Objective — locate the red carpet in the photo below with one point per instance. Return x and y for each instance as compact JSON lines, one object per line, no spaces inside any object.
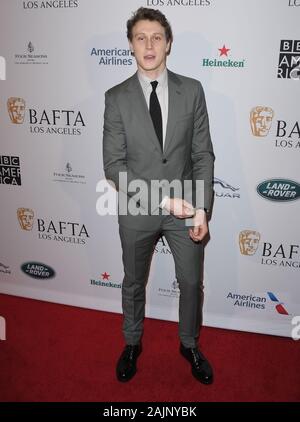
{"x":62,"y":353}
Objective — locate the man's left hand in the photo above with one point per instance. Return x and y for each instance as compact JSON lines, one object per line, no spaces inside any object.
{"x":200,"y":226}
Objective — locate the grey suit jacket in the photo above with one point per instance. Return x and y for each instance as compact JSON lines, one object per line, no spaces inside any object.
{"x":130,"y":145}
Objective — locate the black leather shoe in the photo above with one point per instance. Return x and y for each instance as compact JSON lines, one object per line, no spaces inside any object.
{"x":201,"y":368}
{"x":126,"y":366}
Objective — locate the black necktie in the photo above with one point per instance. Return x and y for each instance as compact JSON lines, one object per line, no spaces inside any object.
{"x":155,"y":112}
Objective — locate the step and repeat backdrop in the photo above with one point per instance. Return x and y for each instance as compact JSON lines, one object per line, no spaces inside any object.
{"x":58,"y":58}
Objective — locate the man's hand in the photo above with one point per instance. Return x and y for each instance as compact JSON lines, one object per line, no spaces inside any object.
{"x":179,"y":207}
{"x":200,"y":229}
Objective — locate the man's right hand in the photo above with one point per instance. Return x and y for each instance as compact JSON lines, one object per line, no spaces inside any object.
{"x":179,"y":207}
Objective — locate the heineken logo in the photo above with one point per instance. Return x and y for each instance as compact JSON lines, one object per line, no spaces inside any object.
{"x":279,"y":190}
{"x":37,"y":270}
{"x":223,"y":60}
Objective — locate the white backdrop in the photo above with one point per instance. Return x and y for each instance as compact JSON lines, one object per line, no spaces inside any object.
{"x":61,"y":56}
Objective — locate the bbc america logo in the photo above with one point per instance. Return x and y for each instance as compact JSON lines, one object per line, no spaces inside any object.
{"x":289,"y":60}
{"x":10,"y":173}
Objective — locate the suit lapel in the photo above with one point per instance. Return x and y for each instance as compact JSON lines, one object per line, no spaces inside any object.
{"x":173,"y":109}
{"x":140,"y":106}
{"x":141,"y":109}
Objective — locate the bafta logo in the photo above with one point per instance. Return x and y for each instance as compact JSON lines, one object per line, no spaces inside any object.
{"x":16,"y":109}
{"x":248,"y":242}
{"x":25,"y":217}
{"x":261,"y":120}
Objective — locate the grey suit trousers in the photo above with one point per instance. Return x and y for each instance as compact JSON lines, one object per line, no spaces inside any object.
{"x":138,"y":247}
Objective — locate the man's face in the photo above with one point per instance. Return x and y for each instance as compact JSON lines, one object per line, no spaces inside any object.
{"x":150,"y":46}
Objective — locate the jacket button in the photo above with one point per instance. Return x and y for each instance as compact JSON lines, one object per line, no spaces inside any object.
{"x":164,"y":160}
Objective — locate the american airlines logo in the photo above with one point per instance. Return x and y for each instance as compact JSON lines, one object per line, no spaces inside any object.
{"x":278,"y":305}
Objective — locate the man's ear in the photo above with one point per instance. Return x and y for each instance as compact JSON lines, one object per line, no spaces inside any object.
{"x":168,"y":47}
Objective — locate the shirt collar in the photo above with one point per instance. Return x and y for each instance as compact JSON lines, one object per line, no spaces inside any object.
{"x":145,"y":81}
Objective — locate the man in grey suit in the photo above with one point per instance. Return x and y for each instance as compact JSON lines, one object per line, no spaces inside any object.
{"x":156,"y":134}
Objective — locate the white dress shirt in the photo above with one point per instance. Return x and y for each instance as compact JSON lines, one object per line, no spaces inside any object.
{"x":162,"y":93}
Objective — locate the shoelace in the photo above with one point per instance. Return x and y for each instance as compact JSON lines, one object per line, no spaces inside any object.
{"x":128,"y":353}
{"x":198,"y":358}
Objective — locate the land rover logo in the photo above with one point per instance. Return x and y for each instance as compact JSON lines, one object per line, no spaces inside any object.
{"x":37,"y":270}
{"x":279,"y":190}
